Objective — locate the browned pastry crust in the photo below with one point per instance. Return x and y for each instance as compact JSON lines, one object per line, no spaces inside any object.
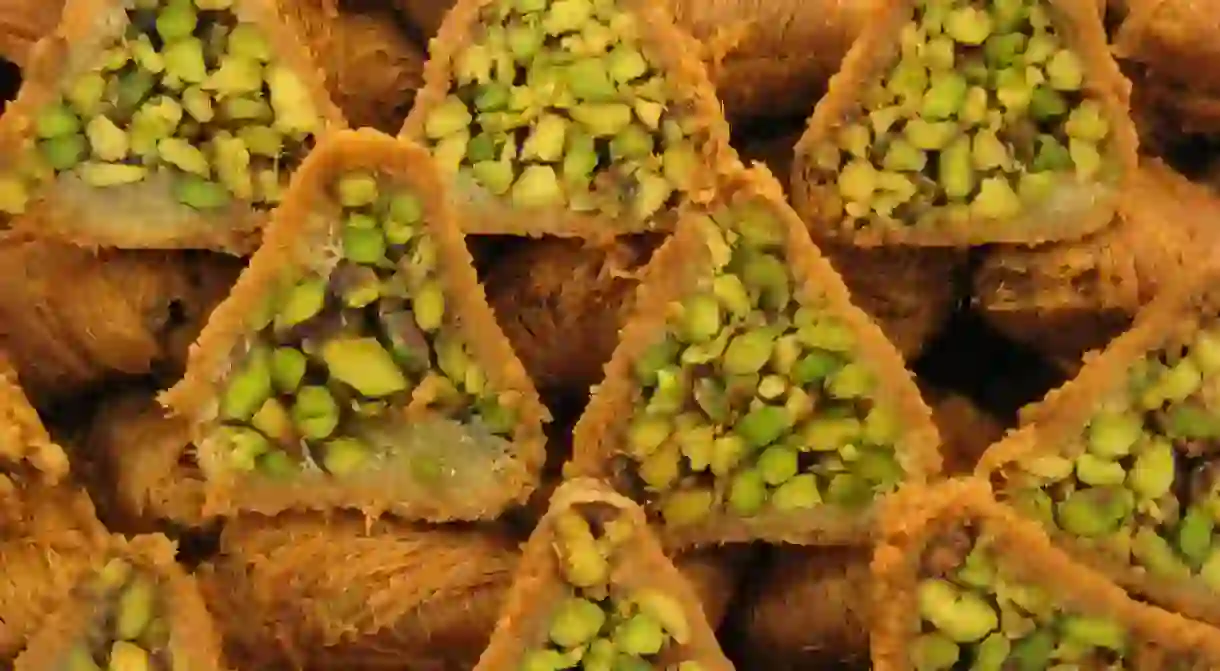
{"x":22,"y":24}
{"x":338,"y":593}
{"x":561,"y":302}
{"x":1069,"y":298}
{"x":372,"y":68}
{"x":1174,"y":39}
{"x":69,"y":316}
{"x":784,"y":628}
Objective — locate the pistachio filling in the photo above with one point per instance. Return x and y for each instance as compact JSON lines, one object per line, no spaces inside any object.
{"x":188,"y":98}
{"x":558,"y":103}
{"x":1141,"y":483}
{"x":599,"y":626}
{"x":131,"y":632}
{"x":984,"y":117}
{"x":755,"y":399}
{"x":975,"y":615}
{"x":354,"y":346}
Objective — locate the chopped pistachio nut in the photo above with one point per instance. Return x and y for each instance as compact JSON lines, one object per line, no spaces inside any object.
{"x":1142,"y":482}
{"x":130,"y":631}
{"x":974,"y":614}
{"x":558,"y":103}
{"x":754,"y":399}
{"x":598,"y":626}
{"x":338,"y":350}
{"x":188,"y":91}
{"x":984,"y":113}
